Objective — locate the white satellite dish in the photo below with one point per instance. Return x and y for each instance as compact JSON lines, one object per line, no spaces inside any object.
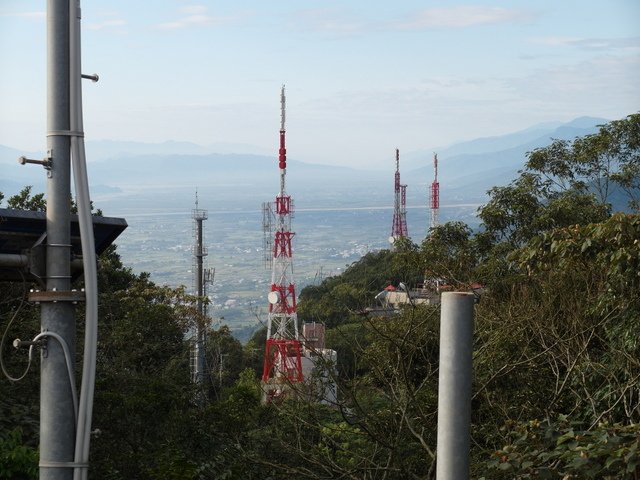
{"x":392,"y":239}
{"x":273,"y":297}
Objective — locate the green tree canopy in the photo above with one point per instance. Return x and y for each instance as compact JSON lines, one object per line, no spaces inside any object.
{"x":567,"y":182}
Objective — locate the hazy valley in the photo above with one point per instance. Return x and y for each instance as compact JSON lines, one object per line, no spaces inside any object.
{"x":341,"y":213}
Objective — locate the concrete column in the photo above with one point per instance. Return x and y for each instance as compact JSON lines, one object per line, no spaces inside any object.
{"x":454,"y":386}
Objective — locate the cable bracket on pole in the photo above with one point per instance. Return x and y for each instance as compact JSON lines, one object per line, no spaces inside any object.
{"x":46,"y":162}
{"x":94,"y":78}
{"x":17,"y":343}
{"x":73,"y":296}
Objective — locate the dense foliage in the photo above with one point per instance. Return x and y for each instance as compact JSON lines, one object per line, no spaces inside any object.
{"x":556,"y":354}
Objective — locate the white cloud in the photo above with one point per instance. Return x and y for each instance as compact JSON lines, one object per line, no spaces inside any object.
{"x":552,"y":41}
{"x":106,"y":24}
{"x":460,"y":17}
{"x":340,"y":22}
{"x":606,"y":86}
{"x":328,"y":20}
{"x":194,"y":15}
{"x":194,"y":10}
{"x":589,"y":43}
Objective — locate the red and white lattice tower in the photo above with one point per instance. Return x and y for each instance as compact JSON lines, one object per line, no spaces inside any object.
{"x":435,"y":194}
{"x":399,"y":225}
{"x":283,"y":349}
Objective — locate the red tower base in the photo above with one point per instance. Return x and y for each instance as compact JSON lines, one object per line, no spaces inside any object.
{"x":282,"y":366}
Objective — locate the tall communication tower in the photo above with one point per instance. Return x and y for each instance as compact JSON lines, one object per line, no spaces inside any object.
{"x":199,"y":252}
{"x":283,"y":349}
{"x":399,"y":225}
{"x":435,"y":194}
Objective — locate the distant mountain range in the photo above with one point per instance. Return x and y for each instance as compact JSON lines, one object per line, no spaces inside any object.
{"x":99,"y":150}
{"x":469,"y":169}
{"x":466,"y":170}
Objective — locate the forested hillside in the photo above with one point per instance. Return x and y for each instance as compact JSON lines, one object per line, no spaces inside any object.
{"x":556,"y":353}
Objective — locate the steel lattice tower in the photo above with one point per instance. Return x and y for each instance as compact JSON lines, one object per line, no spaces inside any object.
{"x":283,"y":349}
{"x":399,"y":225}
{"x":435,"y":194}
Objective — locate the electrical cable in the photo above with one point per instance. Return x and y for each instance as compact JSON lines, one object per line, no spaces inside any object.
{"x":67,"y":359}
{"x":65,"y":350}
{"x":83,"y":432}
{"x":4,"y":336}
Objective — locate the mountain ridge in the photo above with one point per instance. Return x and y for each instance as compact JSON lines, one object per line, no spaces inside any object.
{"x":466,"y":170}
{"x":477,"y":172}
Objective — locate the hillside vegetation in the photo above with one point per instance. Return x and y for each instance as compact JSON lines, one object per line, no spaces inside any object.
{"x":556,"y":353}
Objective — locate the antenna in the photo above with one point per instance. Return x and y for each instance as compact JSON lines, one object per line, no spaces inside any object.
{"x":208,"y":279}
{"x":282,"y":109}
{"x":399,"y":223}
{"x":199,"y":252}
{"x":435,"y":194}
{"x":283,"y":349}
{"x":268,"y":219}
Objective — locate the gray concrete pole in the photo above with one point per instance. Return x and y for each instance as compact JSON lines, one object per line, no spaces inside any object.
{"x":57,"y":418}
{"x":454,"y":386}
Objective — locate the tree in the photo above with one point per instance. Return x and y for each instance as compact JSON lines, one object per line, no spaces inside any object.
{"x":381,"y":427}
{"x":594,"y":163}
{"x":565,"y":183}
{"x":623,"y":138}
{"x":224,"y":360}
{"x":559,"y":449}
{"x":26,"y":201}
{"x":145,"y":405}
{"x":19,"y":408}
{"x":17,"y":461}
{"x":143,"y":386}
{"x":602,"y":262}
{"x":530,"y":205}
{"x":338,"y":299}
{"x":448,"y":253}
{"x":254,"y":350}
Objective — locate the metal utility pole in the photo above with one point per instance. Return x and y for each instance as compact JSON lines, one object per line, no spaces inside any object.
{"x":199,"y":252}
{"x":57,"y":418}
{"x":435,"y":194}
{"x":454,"y":386}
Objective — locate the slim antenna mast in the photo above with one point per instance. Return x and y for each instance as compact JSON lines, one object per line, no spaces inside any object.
{"x":199,"y":252}
{"x":435,"y":194}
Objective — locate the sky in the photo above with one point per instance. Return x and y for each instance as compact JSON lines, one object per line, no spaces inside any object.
{"x":362,"y":77}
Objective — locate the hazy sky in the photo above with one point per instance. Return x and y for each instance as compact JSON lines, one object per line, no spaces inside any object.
{"x":362,"y":77}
